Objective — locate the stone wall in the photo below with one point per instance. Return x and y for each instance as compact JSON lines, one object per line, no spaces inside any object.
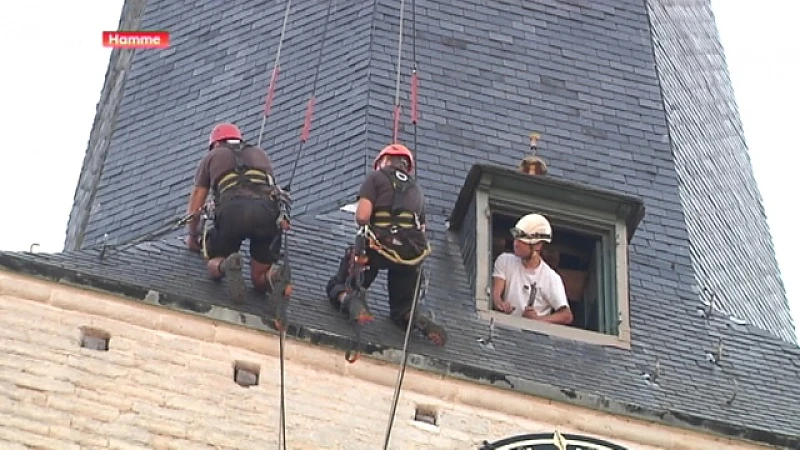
{"x":167,"y":382}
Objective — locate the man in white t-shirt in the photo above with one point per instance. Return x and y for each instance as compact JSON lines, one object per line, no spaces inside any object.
{"x":522,"y":283}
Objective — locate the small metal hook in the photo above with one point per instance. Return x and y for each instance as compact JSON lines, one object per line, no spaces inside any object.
{"x":487,"y":342}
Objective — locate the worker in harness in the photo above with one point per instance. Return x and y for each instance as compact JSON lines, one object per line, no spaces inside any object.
{"x":391,"y":215}
{"x":248,"y":204}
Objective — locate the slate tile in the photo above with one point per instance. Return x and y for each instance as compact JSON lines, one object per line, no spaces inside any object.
{"x":584,"y":75}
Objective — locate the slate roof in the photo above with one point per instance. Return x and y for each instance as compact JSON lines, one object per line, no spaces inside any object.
{"x":582,"y":74}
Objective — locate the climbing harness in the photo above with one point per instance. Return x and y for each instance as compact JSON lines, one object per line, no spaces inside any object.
{"x":396,"y":222}
{"x":242,"y":176}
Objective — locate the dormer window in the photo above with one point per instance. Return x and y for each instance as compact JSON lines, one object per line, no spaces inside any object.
{"x":591,"y":232}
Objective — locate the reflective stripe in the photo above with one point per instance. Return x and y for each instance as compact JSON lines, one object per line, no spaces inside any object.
{"x":251,"y":176}
{"x":385,"y":219}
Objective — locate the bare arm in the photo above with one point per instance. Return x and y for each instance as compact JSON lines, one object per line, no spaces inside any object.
{"x":363,"y":211}
{"x":498,"y":287}
{"x":561,"y":317}
{"x":196,"y":201}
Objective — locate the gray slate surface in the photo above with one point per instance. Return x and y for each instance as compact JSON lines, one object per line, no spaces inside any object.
{"x":582,"y":74}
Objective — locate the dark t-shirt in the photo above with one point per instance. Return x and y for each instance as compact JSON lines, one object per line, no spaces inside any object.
{"x":377,"y":188}
{"x":220,"y":161}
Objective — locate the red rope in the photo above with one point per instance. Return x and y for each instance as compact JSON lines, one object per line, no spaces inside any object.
{"x":271,"y":91}
{"x":307,"y":122}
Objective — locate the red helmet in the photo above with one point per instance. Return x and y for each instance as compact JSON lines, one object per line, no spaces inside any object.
{"x":395,"y":150}
{"x":224,"y":131}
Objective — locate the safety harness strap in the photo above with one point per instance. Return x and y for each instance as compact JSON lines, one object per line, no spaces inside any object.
{"x":412,"y":249}
{"x":242,"y":174}
{"x":397,"y":216}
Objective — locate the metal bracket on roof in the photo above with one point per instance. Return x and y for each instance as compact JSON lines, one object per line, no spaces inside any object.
{"x":708,"y":307}
{"x":30,"y":249}
{"x":487,"y":341}
{"x":651,"y":378}
{"x":734,"y":392}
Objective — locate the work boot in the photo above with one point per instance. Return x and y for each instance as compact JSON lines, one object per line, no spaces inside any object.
{"x":355,"y":304}
{"x":433,"y":331}
{"x":232,"y":268}
{"x":279,"y":292}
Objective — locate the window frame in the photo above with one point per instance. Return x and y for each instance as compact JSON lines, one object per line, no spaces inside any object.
{"x":612,"y":216}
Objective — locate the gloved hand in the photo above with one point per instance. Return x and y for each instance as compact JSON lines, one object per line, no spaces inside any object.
{"x":285,"y":206}
{"x":284,"y":196}
{"x":193,"y":242}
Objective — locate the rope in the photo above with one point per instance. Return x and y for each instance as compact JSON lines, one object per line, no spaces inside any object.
{"x":401,"y":374}
{"x":414,"y":117}
{"x":311,"y":101}
{"x":282,"y":425}
{"x":267,"y":109}
{"x":306,"y":131}
{"x":397,"y":83}
{"x":154,"y":235}
{"x":274,"y":78}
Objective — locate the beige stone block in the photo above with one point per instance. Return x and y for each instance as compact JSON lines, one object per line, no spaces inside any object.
{"x":215,"y":437}
{"x":16,"y":422}
{"x":118,"y":400}
{"x":10,"y":334}
{"x":124,"y":430}
{"x":207,"y":366}
{"x":16,"y":394}
{"x":163,"y":443}
{"x":142,"y":391}
{"x":54,"y":339}
{"x":173,"y":384}
{"x":260,"y":343}
{"x":217,"y":352}
{"x":82,"y":438}
{"x":160,"y":352}
{"x":122,"y":444}
{"x":83,"y":408}
{"x":32,"y":440}
{"x":35,"y":382}
{"x":33,"y":356}
{"x":196,"y":405}
{"x":165,"y":427}
{"x":186,"y":325}
{"x":160,"y":413}
{"x":41,"y":414}
{"x":97,"y":366}
{"x":24,"y":287}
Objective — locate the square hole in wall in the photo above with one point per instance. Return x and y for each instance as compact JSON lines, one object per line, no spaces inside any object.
{"x":246,"y":374}
{"x":95,"y":339}
{"x":426,"y":414}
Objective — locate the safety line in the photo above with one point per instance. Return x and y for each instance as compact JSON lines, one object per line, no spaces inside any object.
{"x":397,"y":108}
{"x":306,"y":131}
{"x":414,"y":119}
{"x":274,"y":78}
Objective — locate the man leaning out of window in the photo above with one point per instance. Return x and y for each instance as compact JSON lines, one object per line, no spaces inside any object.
{"x":523,"y":284}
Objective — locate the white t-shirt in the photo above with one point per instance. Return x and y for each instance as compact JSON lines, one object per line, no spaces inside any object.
{"x":541,"y":286}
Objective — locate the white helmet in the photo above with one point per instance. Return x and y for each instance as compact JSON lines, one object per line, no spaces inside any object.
{"x":532,"y":229}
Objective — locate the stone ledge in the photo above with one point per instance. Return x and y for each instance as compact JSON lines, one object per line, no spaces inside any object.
{"x":71,"y":290}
